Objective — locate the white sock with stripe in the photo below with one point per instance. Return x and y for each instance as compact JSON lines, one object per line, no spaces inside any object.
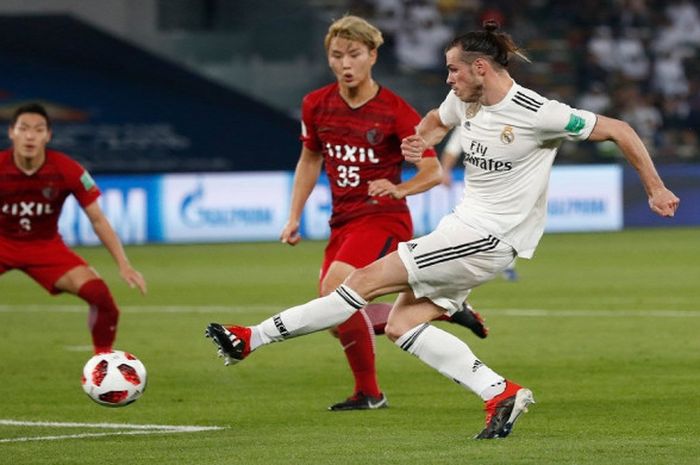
{"x":316,"y":315}
{"x":450,"y":356}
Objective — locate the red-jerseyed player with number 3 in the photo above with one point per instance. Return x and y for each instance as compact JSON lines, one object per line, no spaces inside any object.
{"x":355,"y":126}
{"x":34,"y":183}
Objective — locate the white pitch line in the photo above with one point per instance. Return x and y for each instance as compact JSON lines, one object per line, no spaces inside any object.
{"x":131,"y":429}
{"x":78,"y":348}
{"x":63,"y":424}
{"x":82,"y":436}
{"x":518,"y":312}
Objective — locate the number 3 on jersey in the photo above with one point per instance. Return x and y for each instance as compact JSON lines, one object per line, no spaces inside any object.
{"x":348,"y":176}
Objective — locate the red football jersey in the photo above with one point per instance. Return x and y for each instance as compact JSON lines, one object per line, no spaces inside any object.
{"x":31,"y":204}
{"x":358,"y":145}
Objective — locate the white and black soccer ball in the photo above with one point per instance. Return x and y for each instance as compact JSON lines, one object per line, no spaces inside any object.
{"x":114,"y":379}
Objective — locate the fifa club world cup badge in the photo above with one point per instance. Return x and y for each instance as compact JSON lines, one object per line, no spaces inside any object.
{"x":507,"y":135}
{"x":374,"y":136}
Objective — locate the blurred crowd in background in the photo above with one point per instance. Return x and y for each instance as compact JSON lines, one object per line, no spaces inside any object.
{"x":637,"y":60}
{"x":633,"y":59}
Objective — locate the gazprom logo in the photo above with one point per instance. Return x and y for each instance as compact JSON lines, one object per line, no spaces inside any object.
{"x":195,"y":212}
{"x":579,"y":207}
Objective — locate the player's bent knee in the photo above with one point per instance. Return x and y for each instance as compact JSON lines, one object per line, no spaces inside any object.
{"x":76,"y":278}
{"x":326,"y":288}
{"x":360,"y":281}
{"x":393,"y":331}
{"x":353,"y":280}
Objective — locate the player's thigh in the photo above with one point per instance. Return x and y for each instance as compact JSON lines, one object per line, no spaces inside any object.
{"x":409,"y":312}
{"x":47,"y":262}
{"x":384,"y":276}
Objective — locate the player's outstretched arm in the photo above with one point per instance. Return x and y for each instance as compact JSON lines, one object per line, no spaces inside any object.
{"x":661,"y":200}
{"x":111,"y":241}
{"x":429,"y":132}
{"x":305,"y":177}
{"x":431,"y":128}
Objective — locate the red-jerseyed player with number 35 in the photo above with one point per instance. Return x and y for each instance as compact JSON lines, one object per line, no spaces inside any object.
{"x":34,"y":183}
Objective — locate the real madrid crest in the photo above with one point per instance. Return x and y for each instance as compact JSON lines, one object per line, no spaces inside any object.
{"x":507,"y":135}
{"x":472,"y":110}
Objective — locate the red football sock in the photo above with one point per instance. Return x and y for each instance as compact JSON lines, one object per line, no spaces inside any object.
{"x":357,"y":339}
{"x":103,"y":316}
{"x":378,"y":315}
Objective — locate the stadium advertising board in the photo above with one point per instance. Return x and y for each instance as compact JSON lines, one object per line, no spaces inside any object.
{"x":682,"y":179}
{"x":216,"y":207}
{"x":131,"y":203}
{"x":585,"y":198}
{"x":580,"y":198}
{"x":224,"y":207}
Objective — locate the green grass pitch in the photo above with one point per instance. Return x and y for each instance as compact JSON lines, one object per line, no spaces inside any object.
{"x":604,"y":328}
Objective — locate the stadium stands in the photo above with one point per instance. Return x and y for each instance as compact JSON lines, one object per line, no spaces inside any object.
{"x":118,"y":108}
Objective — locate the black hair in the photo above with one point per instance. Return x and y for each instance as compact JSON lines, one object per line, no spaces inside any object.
{"x":30,"y":108}
{"x":498,"y":46}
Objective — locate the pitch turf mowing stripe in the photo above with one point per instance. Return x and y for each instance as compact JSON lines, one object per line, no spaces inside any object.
{"x":121,"y":429}
{"x":599,"y":313}
{"x":522,"y":312}
{"x":144,"y":308}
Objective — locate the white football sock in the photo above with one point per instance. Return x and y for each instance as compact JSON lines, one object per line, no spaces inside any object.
{"x":450,"y":356}
{"x":493,"y":390}
{"x":318,"y":314}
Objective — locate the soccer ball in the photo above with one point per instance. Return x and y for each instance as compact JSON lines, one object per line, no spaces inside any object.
{"x":114,"y":379}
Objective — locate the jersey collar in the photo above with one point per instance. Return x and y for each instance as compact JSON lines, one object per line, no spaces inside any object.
{"x":506,"y":99}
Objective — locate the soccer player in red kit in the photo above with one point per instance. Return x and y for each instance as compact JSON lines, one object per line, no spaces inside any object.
{"x":34,"y":183}
{"x":355,"y":126}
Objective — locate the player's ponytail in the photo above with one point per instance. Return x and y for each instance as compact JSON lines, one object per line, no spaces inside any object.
{"x":495,"y":45}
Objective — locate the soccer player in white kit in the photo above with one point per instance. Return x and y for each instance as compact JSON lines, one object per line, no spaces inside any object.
{"x":510,"y":135}
{"x":451,"y":153}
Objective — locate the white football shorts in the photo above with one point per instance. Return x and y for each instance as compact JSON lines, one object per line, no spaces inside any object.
{"x":447,"y":263}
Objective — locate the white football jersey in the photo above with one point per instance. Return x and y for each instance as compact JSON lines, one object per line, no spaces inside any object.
{"x":509,"y":150}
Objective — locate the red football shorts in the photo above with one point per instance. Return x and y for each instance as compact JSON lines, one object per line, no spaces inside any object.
{"x":45,"y":261}
{"x":366,"y":239}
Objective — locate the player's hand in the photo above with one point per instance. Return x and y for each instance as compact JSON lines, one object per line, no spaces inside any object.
{"x":383,"y":187}
{"x":412,"y":148}
{"x":290,"y":233}
{"x":663,"y":202}
{"x":133,"y":278}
